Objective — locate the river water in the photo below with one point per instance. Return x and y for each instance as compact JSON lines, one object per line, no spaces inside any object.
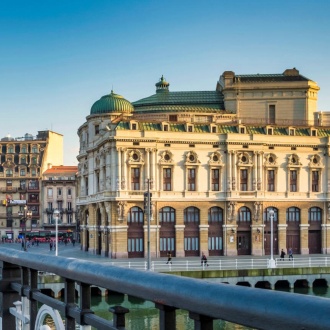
{"x":144,"y":316}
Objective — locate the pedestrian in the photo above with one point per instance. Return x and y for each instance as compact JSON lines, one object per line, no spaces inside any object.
{"x":204,"y":260}
{"x":22,"y":245}
{"x":50,"y":246}
{"x":282,"y":255}
{"x":169,"y":257}
{"x":73,"y":242}
{"x":290,"y":253}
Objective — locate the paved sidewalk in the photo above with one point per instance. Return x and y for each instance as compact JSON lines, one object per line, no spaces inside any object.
{"x":71,"y":251}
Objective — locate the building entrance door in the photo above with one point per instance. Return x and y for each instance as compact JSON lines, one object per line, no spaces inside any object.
{"x":243,"y":243}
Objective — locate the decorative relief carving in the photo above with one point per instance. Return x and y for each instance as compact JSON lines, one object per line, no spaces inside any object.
{"x":135,"y":157}
{"x":216,"y":159}
{"x":315,"y":161}
{"x":192,"y":158}
{"x":270,"y":160}
{"x":166,"y":157}
{"x":294,"y":160}
{"x":244,"y":158}
{"x":121,"y":207}
{"x":257,"y":211}
{"x":231,"y":209}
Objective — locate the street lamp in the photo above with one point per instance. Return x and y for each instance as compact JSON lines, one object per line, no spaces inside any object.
{"x":271,"y":261}
{"x":26,"y":215}
{"x":56,"y":215}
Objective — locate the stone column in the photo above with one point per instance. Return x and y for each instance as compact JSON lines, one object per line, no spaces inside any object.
{"x":229,"y":177}
{"x":92,"y":228}
{"x":281,"y":237}
{"x":257,"y":245}
{"x":230,"y":231}
{"x":203,"y":236}
{"x":108,"y":169}
{"x":234,"y":170}
{"x":118,"y":169}
{"x":303,"y":239}
{"x":179,"y":237}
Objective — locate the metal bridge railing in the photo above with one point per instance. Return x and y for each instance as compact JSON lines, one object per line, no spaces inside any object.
{"x":222,"y":264}
{"x":256,"y":308}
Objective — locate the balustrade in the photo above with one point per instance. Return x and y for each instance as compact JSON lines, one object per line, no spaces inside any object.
{"x":205,"y":301}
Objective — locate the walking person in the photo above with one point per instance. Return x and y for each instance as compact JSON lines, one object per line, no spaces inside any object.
{"x":282,"y":255}
{"x":290,"y":254}
{"x":169,"y":257}
{"x":204,"y":260}
{"x":50,"y":246}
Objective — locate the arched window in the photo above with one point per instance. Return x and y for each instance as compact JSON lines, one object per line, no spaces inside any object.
{"x":215,"y":214}
{"x":135,"y":215}
{"x":314,"y":214}
{"x":244,"y":214}
{"x":191,"y":214}
{"x":167,"y":214}
{"x":267,"y":215}
{"x":293,"y":214}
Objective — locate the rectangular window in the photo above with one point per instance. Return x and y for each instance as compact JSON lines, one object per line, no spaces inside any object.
{"x":271,"y":113}
{"x":293,"y":181}
{"x":69,"y":206}
{"x":167,"y":179}
{"x":215,"y":177}
{"x":59,"y":192}
{"x":22,"y":184}
{"x":86,"y":186}
{"x":22,"y":172}
{"x":135,"y":178}
{"x":50,"y":192}
{"x":173,"y":118}
{"x":191,"y":179}
{"x":69,"y":217}
{"x":244,"y":180}
{"x":97,"y":129}
{"x":315,"y":181}
{"x":271,"y":180}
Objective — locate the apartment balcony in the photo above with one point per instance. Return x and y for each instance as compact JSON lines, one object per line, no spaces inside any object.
{"x":49,"y":211}
{"x":33,"y":188}
{"x":69,"y":211}
{"x":8,"y":189}
{"x":21,"y":189}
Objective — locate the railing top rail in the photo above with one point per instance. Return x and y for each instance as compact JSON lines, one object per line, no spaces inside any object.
{"x":247,"y":306}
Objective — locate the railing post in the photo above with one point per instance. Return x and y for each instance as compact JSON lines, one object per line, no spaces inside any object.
{"x":118,"y":315}
{"x":69,"y":298}
{"x":8,"y":273}
{"x":84,"y":304}
{"x":25,"y":299}
{"x":202,"y":322}
{"x":167,"y":319}
{"x":33,"y":303}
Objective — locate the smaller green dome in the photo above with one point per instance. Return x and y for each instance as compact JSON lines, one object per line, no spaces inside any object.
{"x":112,"y":103}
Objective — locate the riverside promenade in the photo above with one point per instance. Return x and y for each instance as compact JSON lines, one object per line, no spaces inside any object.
{"x":249,"y":261}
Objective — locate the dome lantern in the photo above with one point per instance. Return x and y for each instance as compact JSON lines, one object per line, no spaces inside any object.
{"x":162,"y":85}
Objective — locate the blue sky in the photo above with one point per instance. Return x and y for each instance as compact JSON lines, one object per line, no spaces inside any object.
{"x":57,"y":57}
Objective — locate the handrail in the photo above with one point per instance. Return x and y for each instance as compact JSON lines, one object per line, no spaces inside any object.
{"x":251,"y":307}
{"x":223,"y":264}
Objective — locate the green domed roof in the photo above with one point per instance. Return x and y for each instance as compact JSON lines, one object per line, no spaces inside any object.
{"x":112,"y":103}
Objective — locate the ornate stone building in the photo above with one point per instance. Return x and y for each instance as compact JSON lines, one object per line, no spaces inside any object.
{"x":59,"y":193}
{"x":216,"y":162}
{"x":23,"y":160}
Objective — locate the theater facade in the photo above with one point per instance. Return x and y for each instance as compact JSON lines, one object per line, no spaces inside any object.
{"x":221,"y":166}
